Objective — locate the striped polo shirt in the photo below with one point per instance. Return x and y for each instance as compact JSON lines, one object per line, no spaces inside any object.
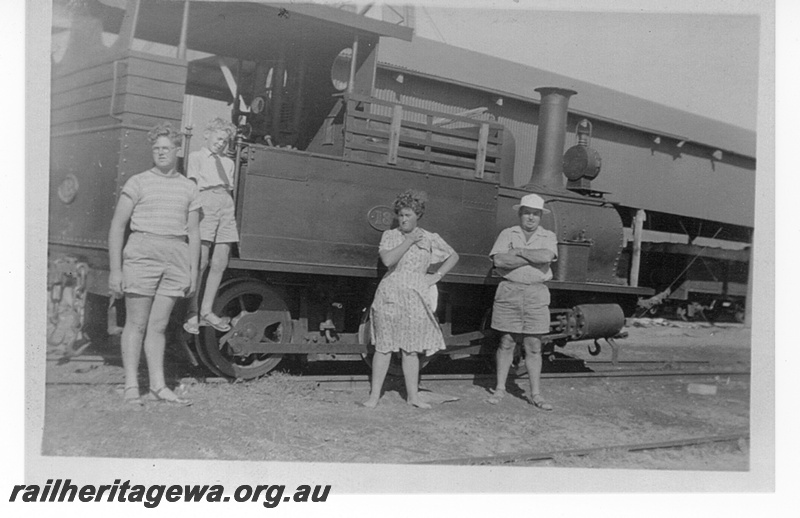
{"x":161,"y":203}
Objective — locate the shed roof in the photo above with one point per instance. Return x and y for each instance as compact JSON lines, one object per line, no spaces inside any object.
{"x":453,"y":64}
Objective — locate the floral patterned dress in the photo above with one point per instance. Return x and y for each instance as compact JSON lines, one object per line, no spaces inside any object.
{"x":403,"y":312}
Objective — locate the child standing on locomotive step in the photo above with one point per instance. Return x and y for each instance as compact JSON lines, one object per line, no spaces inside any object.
{"x":213,"y":173}
{"x":159,"y":262}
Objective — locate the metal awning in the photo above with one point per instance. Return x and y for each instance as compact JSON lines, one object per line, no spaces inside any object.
{"x":251,"y":31}
{"x":214,"y":16}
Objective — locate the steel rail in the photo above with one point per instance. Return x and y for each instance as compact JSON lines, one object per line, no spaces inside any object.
{"x":511,"y":458}
{"x":105,"y":359}
{"x":623,"y":362}
{"x":364,"y":378}
{"x":358,"y":378}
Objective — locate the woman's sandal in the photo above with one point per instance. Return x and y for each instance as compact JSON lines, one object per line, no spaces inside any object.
{"x":220,"y":324}
{"x":496,"y":397}
{"x":158,"y":395}
{"x":136,"y":401}
{"x":538,"y":401}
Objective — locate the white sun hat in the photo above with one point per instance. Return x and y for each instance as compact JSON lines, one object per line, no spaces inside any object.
{"x":533,"y":201}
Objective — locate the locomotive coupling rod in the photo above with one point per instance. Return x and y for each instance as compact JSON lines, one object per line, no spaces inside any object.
{"x":302,"y":348}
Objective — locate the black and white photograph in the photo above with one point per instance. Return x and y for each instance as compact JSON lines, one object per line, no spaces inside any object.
{"x":286,"y":251}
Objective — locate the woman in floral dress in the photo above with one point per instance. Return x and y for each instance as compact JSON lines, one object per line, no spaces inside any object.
{"x":403,"y":313}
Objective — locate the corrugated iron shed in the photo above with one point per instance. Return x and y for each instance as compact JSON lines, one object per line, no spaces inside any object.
{"x":468,"y":68}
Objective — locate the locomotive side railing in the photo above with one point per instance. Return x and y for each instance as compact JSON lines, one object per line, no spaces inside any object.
{"x":383,"y":132}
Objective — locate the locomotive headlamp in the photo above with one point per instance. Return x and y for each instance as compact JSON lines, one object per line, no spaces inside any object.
{"x":581,"y":161}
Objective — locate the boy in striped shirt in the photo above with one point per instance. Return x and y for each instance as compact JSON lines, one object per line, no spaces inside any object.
{"x":158,"y":264}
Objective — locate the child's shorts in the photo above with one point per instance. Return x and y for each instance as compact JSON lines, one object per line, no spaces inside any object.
{"x":218,"y":224}
{"x":153,"y":264}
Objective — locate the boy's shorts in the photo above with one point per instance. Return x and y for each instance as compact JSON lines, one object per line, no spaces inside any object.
{"x":521,"y":308}
{"x":153,"y":264}
{"x":218,"y":224}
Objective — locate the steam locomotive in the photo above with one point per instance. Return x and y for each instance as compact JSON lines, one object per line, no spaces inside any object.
{"x":319,"y":160}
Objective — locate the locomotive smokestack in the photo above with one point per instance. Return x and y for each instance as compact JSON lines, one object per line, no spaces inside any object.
{"x":547,"y":163}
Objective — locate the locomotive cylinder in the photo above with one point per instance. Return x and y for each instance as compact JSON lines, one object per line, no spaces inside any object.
{"x":552,"y":132}
{"x":597,"y":321}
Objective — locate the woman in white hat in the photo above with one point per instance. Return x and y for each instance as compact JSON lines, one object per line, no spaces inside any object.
{"x":403,"y":315}
{"x":522,"y":255}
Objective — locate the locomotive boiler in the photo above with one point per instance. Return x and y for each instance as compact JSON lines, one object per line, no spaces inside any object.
{"x":319,"y":160}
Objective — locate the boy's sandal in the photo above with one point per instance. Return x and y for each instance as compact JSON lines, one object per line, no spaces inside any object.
{"x":170,"y":398}
{"x":538,"y":401}
{"x":220,"y":324}
{"x":128,"y":397}
{"x":193,"y":328}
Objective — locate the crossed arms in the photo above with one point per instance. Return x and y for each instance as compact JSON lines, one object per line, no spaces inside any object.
{"x":517,"y":257}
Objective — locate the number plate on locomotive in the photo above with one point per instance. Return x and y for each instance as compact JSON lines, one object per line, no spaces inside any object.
{"x":380,"y":217}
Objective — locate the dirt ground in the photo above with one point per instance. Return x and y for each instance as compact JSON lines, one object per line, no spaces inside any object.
{"x":284,"y":417}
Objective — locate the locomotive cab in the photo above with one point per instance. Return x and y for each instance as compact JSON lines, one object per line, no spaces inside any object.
{"x":283,"y":79}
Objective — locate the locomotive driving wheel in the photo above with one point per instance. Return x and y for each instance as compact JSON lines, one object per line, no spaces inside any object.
{"x":257,"y":314}
{"x":396,"y":364}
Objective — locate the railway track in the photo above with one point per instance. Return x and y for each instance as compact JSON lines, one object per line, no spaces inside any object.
{"x":363,"y":378}
{"x":528,"y":457}
{"x":594,"y":369}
